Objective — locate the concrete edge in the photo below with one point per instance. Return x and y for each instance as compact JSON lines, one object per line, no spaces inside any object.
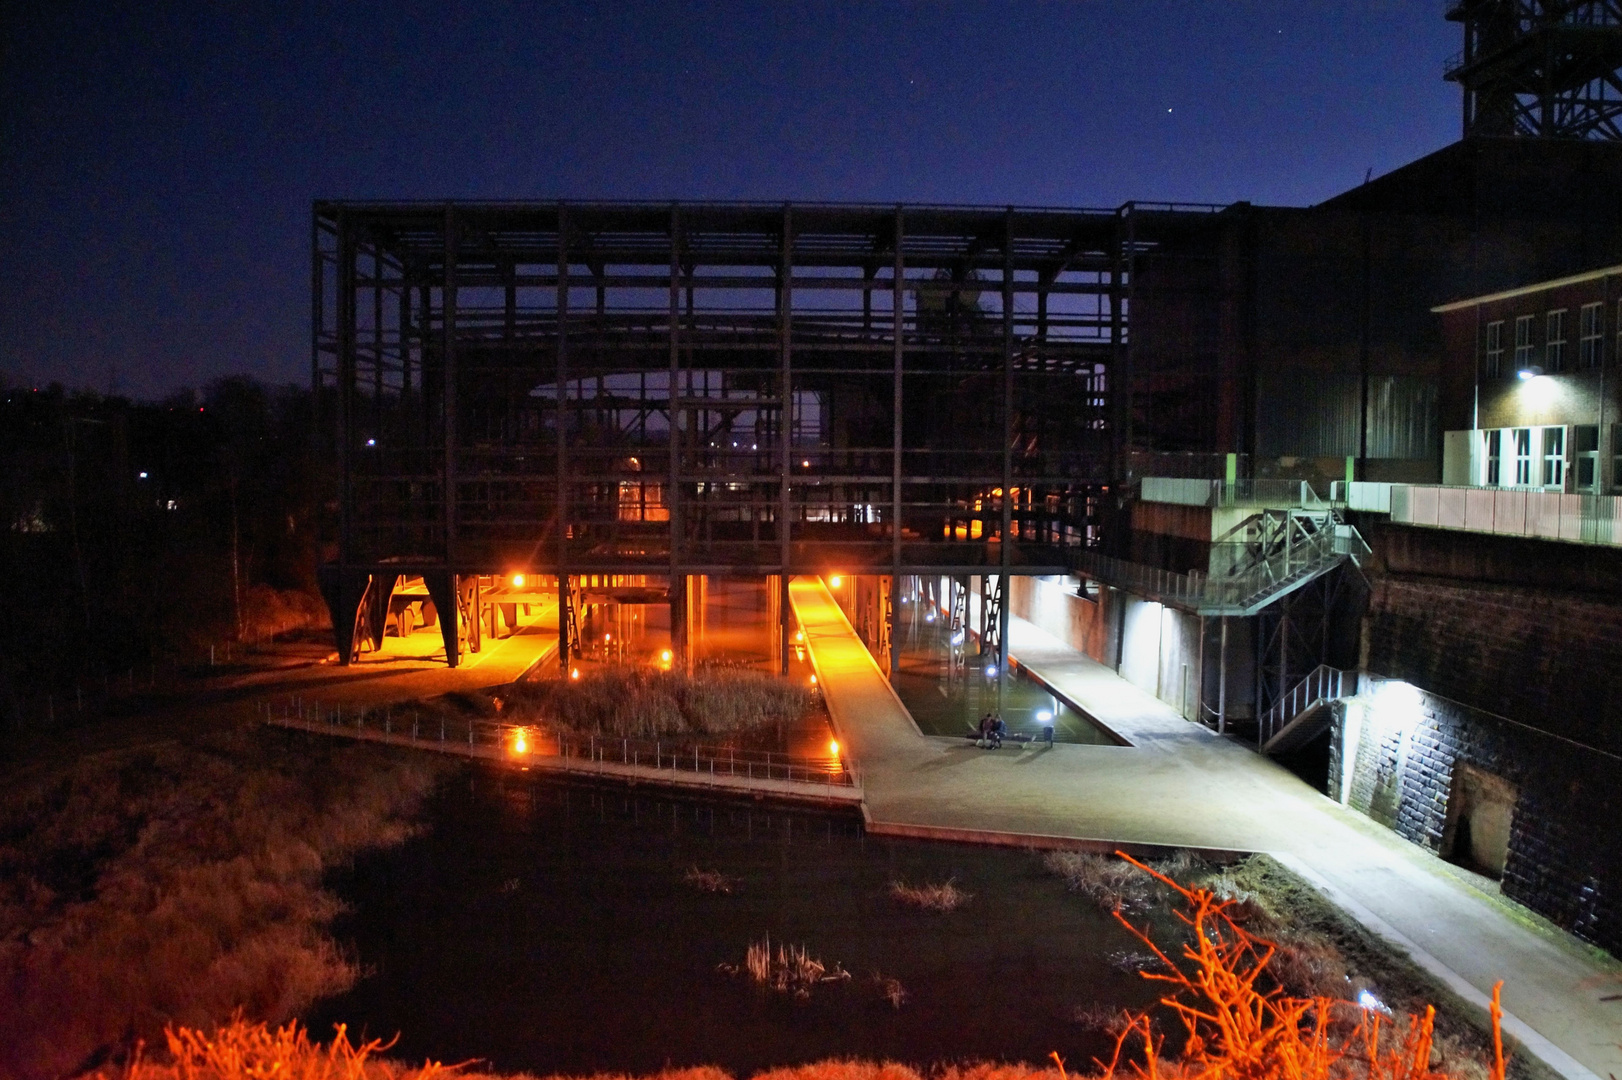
{"x":1122,"y":740}
{"x":1038,"y":841}
{"x":1537,"y":1045}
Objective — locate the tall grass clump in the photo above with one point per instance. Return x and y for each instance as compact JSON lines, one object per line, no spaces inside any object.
{"x":1105,"y":880}
{"x":177,"y":884}
{"x":631,"y":702}
{"x":790,"y":969}
{"x":943,"y":896}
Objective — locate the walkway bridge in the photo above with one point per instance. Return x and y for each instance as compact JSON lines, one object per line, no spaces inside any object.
{"x":1181,"y":785}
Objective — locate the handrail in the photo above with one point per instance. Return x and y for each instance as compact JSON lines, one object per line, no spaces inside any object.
{"x":527,"y":741}
{"x":1294,"y":563}
{"x":1323,"y":683}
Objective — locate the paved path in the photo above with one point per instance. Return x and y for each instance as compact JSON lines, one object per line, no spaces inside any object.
{"x":1180,"y":785}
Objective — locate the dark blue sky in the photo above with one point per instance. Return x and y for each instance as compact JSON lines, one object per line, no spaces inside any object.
{"x":158,"y":161}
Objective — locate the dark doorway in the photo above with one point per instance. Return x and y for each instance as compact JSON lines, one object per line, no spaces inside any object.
{"x":1480,"y":808}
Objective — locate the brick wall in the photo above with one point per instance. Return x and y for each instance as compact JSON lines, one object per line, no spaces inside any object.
{"x":1565,"y":855}
{"x":1515,"y":648}
{"x":1545,"y":657}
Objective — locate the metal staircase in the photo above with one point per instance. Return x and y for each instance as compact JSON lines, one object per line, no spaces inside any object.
{"x":1302,"y":714}
{"x":1267,"y":556}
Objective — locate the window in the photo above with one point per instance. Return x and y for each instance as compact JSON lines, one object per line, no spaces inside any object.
{"x":1590,"y":346}
{"x":1616,"y":456}
{"x":1495,"y":349}
{"x":1495,"y":452}
{"x":1585,"y":439}
{"x":1522,"y":438}
{"x":1554,"y":457}
{"x":1554,"y":342}
{"x":1523,"y":342}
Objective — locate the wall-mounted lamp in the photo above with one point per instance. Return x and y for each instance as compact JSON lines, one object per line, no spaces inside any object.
{"x":1531,"y":371}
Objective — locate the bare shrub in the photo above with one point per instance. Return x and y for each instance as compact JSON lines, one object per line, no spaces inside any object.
{"x":1108,"y":882}
{"x":177,"y":884}
{"x":710,"y":881}
{"x":942,"y":897}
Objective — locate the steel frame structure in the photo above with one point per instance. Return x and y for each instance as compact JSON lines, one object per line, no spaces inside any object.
{"x":678,"y":389}
{"x":1550,"y":68}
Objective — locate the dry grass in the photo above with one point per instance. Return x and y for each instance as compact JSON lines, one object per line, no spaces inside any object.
{"x":638,"y":703}
{"x":710,"y":881}
{"x":790,"y":969}
{"x":1105,"y":880}
{"x":179,"y":883}
{"x":1233,"y":1028}
{"x":943,"y":897}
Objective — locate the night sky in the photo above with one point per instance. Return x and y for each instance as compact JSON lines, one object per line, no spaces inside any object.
{"x":158,"y":161}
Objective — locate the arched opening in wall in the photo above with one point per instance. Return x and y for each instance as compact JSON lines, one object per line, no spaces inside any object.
{"x":1480,"y":808}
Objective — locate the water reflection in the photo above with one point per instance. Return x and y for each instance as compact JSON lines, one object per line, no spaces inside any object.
{"x":549,"y":928}
{"x":948,"y":686}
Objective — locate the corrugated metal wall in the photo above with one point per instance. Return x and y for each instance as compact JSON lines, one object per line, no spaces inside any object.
{"x":1316,"y":415}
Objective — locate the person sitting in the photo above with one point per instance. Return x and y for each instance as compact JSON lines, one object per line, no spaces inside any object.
{"x":998,"y":730}
{"x":984,"y":738}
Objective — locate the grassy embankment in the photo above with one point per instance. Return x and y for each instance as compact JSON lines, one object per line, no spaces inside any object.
{"x":176,"y":883}
{"x":1320,"y":951}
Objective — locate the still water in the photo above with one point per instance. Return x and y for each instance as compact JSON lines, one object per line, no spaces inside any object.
{"x":945,"y":686}
{"x":546,"y":927}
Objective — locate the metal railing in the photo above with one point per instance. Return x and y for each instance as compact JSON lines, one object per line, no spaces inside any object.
{"x":1323,"y":683}
{"x":1546,"y":515}
{"x":1221,"y":493}
{"x":522,"y":742}
{"x":1241,"y":593}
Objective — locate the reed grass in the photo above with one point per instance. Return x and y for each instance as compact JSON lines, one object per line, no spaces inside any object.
{"x":1234,"y":1027}
{"x":710,"y":881}
{"x":177,"y":883}
{"x":1105,"y":880}
{"x":790,"y":969}
{"x":631,"y":702}
{"x":942,"y":897}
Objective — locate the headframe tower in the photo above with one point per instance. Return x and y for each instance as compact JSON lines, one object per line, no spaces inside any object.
{"x":1540,"y":68}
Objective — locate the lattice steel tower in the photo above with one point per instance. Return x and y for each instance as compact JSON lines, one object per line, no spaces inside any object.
{"x":1548,"y":68}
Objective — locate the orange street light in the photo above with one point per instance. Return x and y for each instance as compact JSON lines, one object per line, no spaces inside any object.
{"x":833,"y":747}
{"x":518,"y":581}
{"x":520,"y":742}
{"x":835,"y":581}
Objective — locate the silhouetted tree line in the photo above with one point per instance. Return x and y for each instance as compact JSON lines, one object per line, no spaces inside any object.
{"x":143,"y":532}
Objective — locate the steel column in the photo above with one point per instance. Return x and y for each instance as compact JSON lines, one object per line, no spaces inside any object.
{"x":562,"y":498}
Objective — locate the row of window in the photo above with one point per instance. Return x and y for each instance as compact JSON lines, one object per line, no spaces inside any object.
{"x":1553,"y":353}
{"x":1537,"y":457}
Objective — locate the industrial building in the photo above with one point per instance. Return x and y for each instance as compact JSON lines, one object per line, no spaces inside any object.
{"x":1305,"y":474}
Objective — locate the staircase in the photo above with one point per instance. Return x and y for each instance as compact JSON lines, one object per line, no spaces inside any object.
{"x":1303,"y":714}
{"x":1268,"y":555}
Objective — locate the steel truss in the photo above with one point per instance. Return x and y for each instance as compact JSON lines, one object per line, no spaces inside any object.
{"x":1550,"y":68}
{"x":709,"y":389}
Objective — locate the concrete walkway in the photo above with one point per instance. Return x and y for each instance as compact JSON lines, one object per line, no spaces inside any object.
{"x":1180,"y":785}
